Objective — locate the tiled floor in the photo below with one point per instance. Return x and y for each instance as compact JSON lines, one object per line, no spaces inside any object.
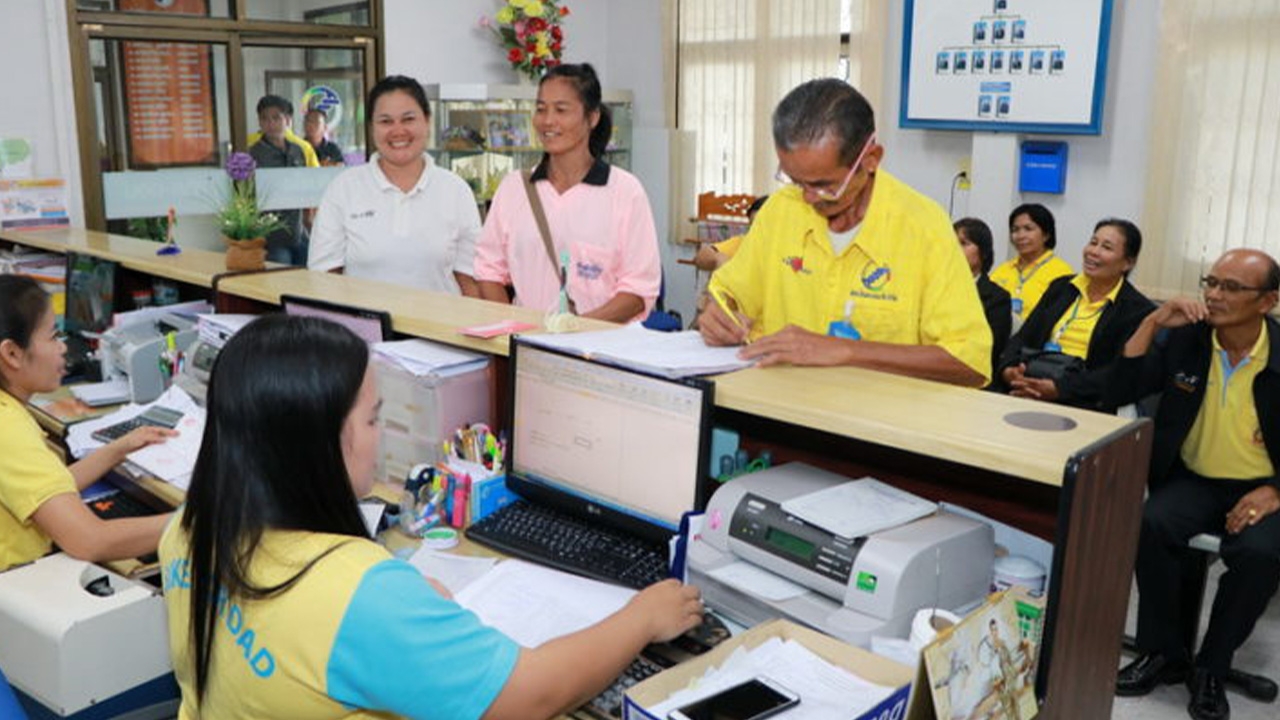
{"x":1261,"y":654}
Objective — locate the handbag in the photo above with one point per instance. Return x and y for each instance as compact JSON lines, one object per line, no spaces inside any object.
{"x":540,"y":217}
{"x":1049,"y":364}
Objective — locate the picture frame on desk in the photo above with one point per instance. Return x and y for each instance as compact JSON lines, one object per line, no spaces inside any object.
{"x":509,"y":130}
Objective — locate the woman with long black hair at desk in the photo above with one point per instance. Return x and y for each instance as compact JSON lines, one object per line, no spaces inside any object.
{"x":281,"y":606}
{"x":39,"y":495}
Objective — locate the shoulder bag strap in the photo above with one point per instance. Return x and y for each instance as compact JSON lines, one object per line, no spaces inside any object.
{"x":540,"y":216}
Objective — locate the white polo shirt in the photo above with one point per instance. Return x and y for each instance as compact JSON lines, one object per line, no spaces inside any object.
{"x":418,"y":238}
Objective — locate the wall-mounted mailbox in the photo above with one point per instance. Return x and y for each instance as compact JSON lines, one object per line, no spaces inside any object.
{"x":1043,"y":167}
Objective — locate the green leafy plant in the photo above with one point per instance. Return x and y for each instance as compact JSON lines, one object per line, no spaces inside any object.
{"x":241,"y":217}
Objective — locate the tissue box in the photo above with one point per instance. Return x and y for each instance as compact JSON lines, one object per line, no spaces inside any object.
{"x":860,"y":662}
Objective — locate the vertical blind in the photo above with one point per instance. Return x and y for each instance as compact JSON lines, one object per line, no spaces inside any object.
{"x":738,"y":58}
{"x":1214,"y":175}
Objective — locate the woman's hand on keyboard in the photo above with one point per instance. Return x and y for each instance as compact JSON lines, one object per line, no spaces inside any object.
{"x":669,"y":607}
{"x":139,"y":438}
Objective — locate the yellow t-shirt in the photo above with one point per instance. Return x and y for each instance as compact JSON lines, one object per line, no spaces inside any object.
{"x":905,"y":273}
{"x":1026,"y":288}
{"x":1075,"y":328}
{"x":30,"y":474}
{"x":1226,"y":439}
{"x":308,"y":153}
{"x":360,"y":635}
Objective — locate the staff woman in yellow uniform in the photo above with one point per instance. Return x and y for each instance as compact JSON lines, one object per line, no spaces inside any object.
{"x":280,"y":606}
{"x":39,"y":495}
{"x":1081,"y":324}
{"x":1026,"y":276}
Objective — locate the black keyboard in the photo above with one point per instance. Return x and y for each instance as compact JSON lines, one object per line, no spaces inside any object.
{"x":120,"y":504}
{"x":548,"y":537}
{"x":608,"y":704}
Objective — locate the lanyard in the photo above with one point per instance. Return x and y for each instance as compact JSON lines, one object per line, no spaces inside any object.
{"x":1022,"y":279}
{"x":1075,"y":312}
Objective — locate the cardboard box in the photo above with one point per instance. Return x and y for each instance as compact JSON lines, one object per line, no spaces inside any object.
{"x":898,"y":706}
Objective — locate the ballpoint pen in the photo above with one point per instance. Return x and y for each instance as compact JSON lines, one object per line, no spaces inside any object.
{"x":729,"y":306}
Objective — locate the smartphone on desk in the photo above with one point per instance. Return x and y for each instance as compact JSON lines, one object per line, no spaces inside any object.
{"x":754,"y":699}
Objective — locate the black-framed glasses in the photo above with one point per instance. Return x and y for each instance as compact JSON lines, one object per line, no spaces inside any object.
{"x":1209,"y":282}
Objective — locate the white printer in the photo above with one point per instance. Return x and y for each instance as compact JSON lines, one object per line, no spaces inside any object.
{"x":849,"y":587}
{"x":133,"y":352}
{"x":75,"y":636}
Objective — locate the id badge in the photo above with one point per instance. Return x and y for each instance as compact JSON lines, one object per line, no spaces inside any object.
{"x":1052,"y":347}
{"x":1017,"y":306}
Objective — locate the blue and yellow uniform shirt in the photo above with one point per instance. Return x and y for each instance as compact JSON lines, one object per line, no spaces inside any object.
{"x":361,"y":635}
{"x":1226,"y":439}
{"x":904,"y":271}
{"x":30,"y":474}
{"x":1026,"y":287}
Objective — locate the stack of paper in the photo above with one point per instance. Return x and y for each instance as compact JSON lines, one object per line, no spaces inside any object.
{"x":859,"y":507}
{"x":532,"y":604}
{"x":216,"y":330}
{"x":172,"y":460}
{"x":423,"y":358}
{"x":825,"y":690}
{"x":670,"y":354}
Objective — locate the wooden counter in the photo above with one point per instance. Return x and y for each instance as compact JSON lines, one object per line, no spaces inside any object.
{"x":421,"y":313}
{"x":1079,"y":482}
{"x":192,"y":266}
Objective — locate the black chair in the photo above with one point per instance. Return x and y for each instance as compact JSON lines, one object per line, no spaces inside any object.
{"x":1201,"y":552}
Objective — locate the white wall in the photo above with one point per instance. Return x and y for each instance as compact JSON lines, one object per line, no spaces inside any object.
{"x":1106,"y":174}
{"x":38,"y":103}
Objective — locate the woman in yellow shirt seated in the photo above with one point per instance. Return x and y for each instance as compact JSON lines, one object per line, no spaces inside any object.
{"x":279,"y":603}
{"x":1087,"y":316}
{"x":39,"y":495}
{"x":1027,"y":275}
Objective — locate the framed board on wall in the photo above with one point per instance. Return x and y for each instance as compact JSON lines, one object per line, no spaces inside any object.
{"x":1030,"y":66}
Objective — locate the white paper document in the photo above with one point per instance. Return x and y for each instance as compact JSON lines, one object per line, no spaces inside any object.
{"x":172,"y":460}
{"x":755,"y":580}
{"x":826,"y":691}
{"x":671,"y":354}
{"x":421,"y":357}
{"x":455,"y":572}
{"x":217,"y":329}
{"x":859,"y":507}
{"x":532,"y":604}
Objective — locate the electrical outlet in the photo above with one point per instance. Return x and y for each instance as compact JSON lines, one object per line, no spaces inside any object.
{"x":966,"y":172}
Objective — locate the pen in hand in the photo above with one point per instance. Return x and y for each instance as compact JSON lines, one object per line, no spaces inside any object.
{"x":730,"y":308}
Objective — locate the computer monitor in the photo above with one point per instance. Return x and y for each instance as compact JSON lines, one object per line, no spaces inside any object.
{"x":90,"y":307}
{"x":607,"y":443}
{"x":372,"y":326}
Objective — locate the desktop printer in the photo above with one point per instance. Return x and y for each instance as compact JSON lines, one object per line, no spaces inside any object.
{"x":81,"y":641}
{"x":849,"y":587}
{"x":194,"y":376}
{"x":133,"y":352}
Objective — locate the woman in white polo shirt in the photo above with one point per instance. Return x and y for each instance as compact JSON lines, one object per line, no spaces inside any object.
{"x":399,"y":218}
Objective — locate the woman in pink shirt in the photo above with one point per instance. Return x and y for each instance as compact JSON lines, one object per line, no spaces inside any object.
{"x":598,"y":215}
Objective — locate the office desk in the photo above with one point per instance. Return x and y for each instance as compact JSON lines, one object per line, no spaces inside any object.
{"x":1079,"y":488}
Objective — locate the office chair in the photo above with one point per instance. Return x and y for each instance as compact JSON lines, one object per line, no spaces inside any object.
{"x":661,"y":319}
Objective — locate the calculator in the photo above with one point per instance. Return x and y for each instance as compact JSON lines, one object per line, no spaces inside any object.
{"x":155,"y":415}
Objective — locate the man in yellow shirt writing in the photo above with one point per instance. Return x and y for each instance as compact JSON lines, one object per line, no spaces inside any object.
{"x":848,"y":265}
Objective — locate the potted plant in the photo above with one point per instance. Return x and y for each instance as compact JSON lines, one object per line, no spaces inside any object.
{"x":244,"y":226}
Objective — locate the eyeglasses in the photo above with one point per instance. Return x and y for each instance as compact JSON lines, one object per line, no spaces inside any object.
{"x":823,"y":193}
{"x":1209,"y":282}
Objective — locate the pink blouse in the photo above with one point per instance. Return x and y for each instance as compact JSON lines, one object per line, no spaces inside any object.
{"x":604,"y":222}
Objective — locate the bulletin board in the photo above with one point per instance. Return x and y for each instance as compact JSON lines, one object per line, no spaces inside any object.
{"x":1030,"y":66}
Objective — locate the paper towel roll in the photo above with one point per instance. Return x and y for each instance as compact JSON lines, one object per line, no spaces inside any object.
{"x":927,"y":623}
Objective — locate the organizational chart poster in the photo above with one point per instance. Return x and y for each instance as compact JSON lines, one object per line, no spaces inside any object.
{"x":1017,"y":65}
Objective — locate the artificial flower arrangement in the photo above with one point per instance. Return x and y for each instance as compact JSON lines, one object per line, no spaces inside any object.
{"x":530,"y":32}
{"x":240,"y":218}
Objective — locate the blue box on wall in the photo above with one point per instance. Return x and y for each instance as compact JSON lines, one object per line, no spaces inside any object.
{"x":1043,"y":167}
